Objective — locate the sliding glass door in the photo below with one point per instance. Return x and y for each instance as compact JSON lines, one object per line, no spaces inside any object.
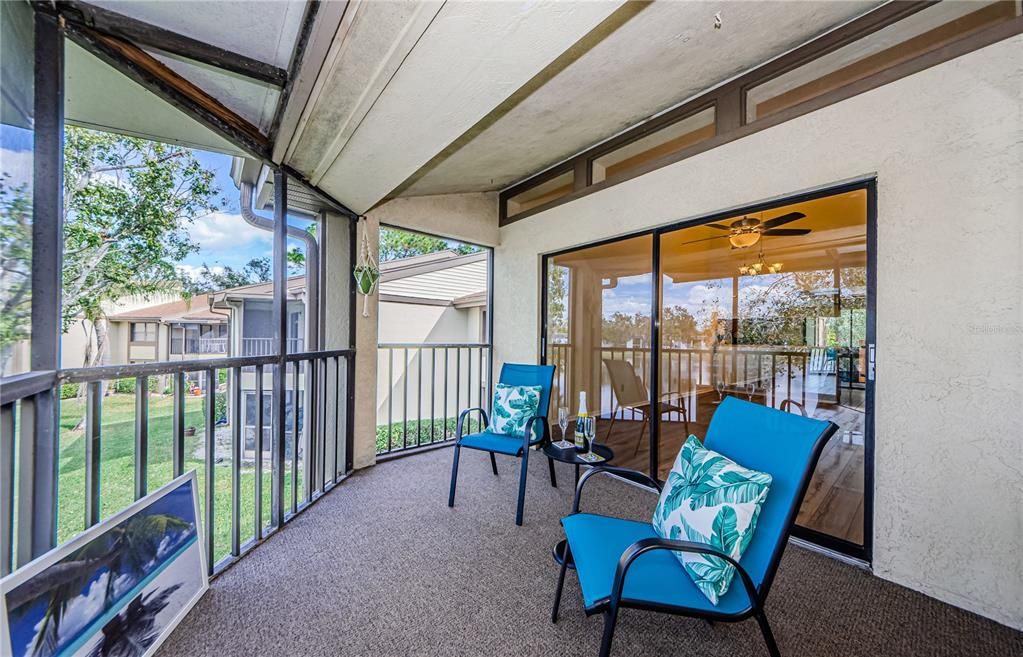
{"x":771,"y":305}
{"x":599,"y":307}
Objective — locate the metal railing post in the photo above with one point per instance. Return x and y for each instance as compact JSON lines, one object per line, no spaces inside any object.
{"x":93,"y":450}
{"x":141,"y":436}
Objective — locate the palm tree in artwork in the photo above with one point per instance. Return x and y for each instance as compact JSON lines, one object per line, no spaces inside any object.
{"x":132,"y":632}
{"x":124,"y":549}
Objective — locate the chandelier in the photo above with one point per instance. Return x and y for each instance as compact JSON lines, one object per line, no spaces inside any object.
{"x":760,"y":267}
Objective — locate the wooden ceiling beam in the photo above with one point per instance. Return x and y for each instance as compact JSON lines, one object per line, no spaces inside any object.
{"x":146,"y":35}
{"x":155,"y":76}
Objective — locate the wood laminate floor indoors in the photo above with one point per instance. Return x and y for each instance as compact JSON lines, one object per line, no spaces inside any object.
{"x":834,"y":501}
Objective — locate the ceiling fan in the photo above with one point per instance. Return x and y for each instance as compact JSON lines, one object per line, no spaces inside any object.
{"x":746,"y":232}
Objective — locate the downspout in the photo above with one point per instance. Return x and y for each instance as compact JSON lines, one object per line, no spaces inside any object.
{"x":312,"y":265}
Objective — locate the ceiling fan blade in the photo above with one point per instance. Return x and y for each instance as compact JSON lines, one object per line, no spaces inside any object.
{"x":787,"y":231}
{"x":784,"y":219}
{"x":705,"y":239}
{"x":718,"y":226}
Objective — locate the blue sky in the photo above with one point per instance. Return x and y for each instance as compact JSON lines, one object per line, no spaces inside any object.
{"x":224,"y":239}
{"x":632,"y":294}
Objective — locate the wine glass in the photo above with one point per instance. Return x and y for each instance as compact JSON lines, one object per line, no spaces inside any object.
{"x":590,"y":431}
{"x":563,"y":421}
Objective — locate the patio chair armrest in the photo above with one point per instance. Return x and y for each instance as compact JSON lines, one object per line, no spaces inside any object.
{"x":638,"y":548}
{"x":529,"y":430}
{"x":634,"y":476}
{"x":461,"y":419}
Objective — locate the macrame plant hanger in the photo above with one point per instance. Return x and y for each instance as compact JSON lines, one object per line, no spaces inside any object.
{"x":366,"y":272}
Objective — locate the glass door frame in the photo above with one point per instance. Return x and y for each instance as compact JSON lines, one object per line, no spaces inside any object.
{"x":862,"y":552}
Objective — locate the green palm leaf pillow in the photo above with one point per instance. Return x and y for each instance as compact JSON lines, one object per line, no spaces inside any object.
{"x":512,"y":408}
{"x":710,"y":499}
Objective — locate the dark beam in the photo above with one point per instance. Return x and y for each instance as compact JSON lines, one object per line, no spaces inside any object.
{"x":152,"y":74}
{"x":157,"y":38}
{"x":308,"y":20}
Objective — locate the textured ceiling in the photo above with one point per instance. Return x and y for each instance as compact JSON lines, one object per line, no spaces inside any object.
{"x":665,"y":54}
{"x":421,"y":98}
{"x":413,"y":77}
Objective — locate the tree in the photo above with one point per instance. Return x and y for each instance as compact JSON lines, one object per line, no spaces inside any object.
{"x":396,"y":244}
{"x":127,"y":205}
{"x":557,"y":308}
{"x":256,"y":270}
{"x":15,"y":265}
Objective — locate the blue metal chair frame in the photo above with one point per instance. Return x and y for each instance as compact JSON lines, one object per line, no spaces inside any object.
{"x":518,"y":375}
{"x":721,"y":435}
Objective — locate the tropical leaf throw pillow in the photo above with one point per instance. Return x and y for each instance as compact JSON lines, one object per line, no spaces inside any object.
{"x":710,"y":499}
{"x":512,"y":408}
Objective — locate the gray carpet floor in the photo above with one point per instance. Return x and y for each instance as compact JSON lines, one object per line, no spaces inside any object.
{"x":381,"y":566}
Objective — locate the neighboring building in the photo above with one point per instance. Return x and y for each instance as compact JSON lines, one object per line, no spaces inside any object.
{"x":184,"y":329}
{"x":157,"y":310}
{"x":437,"y":297}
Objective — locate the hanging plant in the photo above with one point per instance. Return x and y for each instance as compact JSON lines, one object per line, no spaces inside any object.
{"x":366,"y":272}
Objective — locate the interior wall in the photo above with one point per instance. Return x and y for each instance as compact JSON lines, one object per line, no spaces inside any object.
{"x":464,"y":217}
{"x":945,"y":145}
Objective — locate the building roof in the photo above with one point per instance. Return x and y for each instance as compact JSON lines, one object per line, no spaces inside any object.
{"x":195,"y":309}
{"x":442,"y":278}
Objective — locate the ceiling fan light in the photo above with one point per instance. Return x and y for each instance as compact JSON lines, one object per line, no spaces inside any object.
{"x":744,"y":240}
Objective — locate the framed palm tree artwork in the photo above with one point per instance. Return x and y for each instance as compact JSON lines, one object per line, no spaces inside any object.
{"x":118,"y":588}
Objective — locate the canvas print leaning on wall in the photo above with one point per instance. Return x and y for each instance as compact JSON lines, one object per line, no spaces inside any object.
{"x":116,"y":589}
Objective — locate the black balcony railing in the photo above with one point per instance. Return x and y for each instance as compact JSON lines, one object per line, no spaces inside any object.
{"x":422,"y":388}
{"x":309,"y":431}
{"x":268,"y":346}
{"x":777,"y":373}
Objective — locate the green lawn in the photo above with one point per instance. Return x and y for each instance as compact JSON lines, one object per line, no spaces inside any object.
{"x":117,"y":466}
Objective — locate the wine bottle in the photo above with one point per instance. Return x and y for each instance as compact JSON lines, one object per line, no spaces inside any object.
{"x":582,"y":418}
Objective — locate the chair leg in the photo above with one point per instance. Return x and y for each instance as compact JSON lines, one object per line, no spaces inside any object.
{"x":554,"y":475}
{"x":610,"y":620}
{"x":454,"y":476}
{"x":642,"y":432}
{"x":611,"y":427}
{"x":522,"y":488}
{"x":561,"y":585}
{"x":493,"y":462}
{"x":772,"y":647}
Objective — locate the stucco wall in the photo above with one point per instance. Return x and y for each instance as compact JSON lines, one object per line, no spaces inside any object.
{"x":465,"y":217}
{"x":420,"y":323}
{"x":945,"y":145}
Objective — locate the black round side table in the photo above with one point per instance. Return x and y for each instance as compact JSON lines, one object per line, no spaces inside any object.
{"x":571,"y":455}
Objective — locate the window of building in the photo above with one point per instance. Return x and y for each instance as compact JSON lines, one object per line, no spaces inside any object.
{"x":191,"y":338}
{"x":922,"y":32}
{"x":545,"y":192}
{"x":177,"y":339}
{"x":666,"y":141}
{"x":143,"y":331}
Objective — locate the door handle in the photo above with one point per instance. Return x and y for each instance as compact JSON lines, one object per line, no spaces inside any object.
{"x":871,"y":353}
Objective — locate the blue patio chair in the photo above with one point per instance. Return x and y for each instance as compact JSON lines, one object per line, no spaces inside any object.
{"x":515,"y":375}
{"x":625,"y":563}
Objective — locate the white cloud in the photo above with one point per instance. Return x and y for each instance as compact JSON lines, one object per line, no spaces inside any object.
{"x":17,"y":165}
{"x":225,"y":231}
{"x":193,"y":272}
{"x":80,"y":611}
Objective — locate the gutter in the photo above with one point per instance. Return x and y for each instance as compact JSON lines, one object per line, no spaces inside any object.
{"x":312,"y":264}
